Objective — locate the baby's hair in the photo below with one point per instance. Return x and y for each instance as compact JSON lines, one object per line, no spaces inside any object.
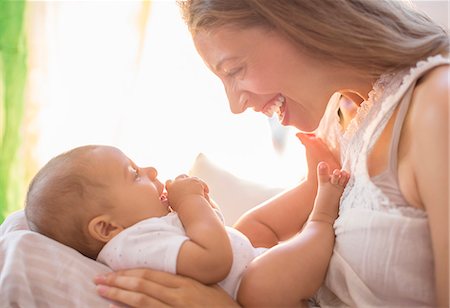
{"x":60,"y":198}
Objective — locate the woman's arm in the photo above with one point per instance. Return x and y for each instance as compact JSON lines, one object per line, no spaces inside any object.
{"x":278,"y":218}
{"x":429,"y":129}
{"x":283,"y":216}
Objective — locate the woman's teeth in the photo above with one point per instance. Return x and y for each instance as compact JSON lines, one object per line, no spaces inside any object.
{"x":276,"y":108}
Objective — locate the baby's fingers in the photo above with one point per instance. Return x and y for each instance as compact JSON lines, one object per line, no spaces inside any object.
{"x":203,"y":183}
{"x":168,"y":184}
{"x":181,"y":176}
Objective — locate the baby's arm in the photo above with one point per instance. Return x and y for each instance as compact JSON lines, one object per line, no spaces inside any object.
{"x":297,"y":267}
{"x":207,"y":255}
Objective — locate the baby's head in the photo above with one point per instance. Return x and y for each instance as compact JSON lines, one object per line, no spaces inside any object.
{"x":86,"y":196}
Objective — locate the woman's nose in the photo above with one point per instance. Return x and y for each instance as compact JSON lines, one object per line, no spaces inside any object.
{"x":237,"y":100}
{"x":151,"y":172}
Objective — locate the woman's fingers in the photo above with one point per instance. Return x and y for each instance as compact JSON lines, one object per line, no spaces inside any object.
{"x":134,"y":291}
{"x":130,"y":285}
{"x":304,"y":137}
{"x":159,"y":277}
{"x":149,"y":288}
{"x":129,"y":298}
{"x":317,"y":150}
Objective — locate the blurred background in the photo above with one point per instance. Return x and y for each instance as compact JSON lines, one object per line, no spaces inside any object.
{"x":126,"y":73}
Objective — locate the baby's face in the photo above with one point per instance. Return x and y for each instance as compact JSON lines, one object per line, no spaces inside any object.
{"x":135,"y":193}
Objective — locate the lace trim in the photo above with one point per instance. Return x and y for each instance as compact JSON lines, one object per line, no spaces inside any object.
{"x":361,"y":113}
{"x":383,"y":87}
{"x":379,"y":90}
{"x":363,"y":131}
{"x":365,"y":194}
{"x":421,"y":64}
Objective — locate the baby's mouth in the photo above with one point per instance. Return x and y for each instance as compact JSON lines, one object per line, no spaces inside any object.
{"x":164,"y":199}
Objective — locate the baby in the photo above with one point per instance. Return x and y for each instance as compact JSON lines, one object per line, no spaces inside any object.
{"x":97,"y":201}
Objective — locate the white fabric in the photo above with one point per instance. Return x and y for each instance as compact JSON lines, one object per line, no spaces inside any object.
{"x":36,"y":271}
{"x":382,"y":255}
{"x":155,"y":243}
{"x":234,"y":195}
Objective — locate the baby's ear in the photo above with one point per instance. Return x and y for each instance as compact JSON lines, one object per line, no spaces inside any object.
{"x":102,"y":228}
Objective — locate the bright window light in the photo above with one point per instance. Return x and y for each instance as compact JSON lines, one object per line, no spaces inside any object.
{"x":162,"y":106}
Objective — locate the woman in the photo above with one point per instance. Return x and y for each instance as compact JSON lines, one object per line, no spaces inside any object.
{"x":389,"y":61}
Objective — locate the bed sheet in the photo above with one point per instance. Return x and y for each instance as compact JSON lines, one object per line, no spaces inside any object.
{"x":36,"y":271}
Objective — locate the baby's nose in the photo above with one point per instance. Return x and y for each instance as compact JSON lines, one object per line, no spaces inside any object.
{"x":151,"y":172}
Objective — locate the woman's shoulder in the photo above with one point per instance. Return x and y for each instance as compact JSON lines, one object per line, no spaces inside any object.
{"x":435,"y":82}
{"x":426,"y":126}
{"x":431,"y":98}
{"x":424,"y":137}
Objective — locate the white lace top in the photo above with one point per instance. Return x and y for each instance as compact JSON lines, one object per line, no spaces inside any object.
{"x":382,"y":255}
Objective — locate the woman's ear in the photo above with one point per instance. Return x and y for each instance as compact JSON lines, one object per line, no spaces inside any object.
{"x":102,"y":228}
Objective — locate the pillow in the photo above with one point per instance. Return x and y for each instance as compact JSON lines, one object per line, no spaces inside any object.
{"x":232,"y":194}
{"x":36,"y":271}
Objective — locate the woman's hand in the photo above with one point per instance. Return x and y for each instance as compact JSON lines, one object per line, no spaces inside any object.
{"x":316,"y":151}
{"x":149,"y":288}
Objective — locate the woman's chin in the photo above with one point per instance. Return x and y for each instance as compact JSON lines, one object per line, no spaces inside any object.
{"x":304,"y":126}
{"x":293,"y":117}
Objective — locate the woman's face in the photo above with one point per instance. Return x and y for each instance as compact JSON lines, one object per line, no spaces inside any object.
{"x":260,"y":68}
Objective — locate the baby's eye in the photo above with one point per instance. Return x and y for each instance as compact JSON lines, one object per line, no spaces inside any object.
{"x":134,"y":171}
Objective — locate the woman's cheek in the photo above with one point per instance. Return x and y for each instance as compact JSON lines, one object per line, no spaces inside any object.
{"x":258,"y":85}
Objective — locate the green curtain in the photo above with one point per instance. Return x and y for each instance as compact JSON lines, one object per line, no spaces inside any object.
{"x":13,"y":71}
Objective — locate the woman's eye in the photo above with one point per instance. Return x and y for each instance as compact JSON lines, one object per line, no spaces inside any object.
{"x":234,"y":72}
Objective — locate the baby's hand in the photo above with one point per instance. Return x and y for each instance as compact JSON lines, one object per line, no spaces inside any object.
{"x":331,"y":186}
{"x":184,"y":187}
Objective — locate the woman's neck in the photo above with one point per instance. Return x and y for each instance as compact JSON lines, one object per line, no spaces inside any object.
{"x":354,"y":97}
{"x":357,"y":88}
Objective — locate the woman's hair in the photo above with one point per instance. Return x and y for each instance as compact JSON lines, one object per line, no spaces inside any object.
{"x":60,"y":200}
{"x":373,"y":36}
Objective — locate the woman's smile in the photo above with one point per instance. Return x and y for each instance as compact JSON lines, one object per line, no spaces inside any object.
{"x":273,"y":106}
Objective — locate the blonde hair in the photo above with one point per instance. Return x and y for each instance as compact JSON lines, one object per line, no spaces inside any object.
{"x":373,"y":37}
{"x":60,"y":200}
